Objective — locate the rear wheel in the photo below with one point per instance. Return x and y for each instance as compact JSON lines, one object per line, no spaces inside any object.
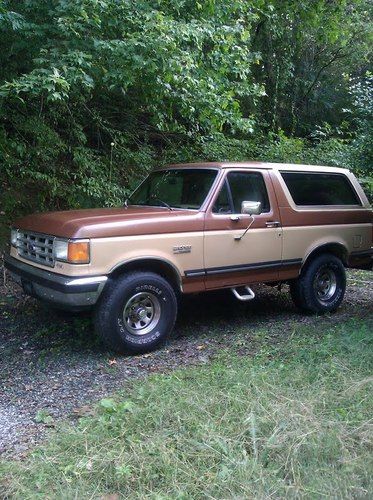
{"x":321,"y":286}
{"x":136,"y":313}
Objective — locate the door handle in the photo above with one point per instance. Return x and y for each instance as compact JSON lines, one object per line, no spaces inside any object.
{"x":273,"y":223}
{"x":234,"y":218}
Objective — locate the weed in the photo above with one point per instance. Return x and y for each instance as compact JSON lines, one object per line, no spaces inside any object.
{"x":43,"y":417}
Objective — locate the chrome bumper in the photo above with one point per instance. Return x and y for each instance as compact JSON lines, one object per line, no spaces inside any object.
{"x":64,"y":291}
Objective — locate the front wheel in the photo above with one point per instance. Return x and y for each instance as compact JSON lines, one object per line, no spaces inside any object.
{"x":321,"y":286}
{"x":136,"y":313}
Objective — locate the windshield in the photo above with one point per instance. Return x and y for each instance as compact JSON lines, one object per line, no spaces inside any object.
{"x":175,"y":188}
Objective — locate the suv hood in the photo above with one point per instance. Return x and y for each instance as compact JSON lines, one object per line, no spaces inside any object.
{"x":111,"y":222}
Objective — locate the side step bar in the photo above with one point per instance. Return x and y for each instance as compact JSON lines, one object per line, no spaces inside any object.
{"x":249,"y":296}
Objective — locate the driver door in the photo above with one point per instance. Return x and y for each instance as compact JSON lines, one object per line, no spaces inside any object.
{"x":256,"y":257}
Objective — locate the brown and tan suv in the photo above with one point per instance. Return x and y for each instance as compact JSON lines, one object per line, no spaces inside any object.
{"x":193,"y":228}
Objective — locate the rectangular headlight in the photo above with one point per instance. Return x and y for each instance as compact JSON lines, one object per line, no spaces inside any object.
{"x":72,"y":251}
{"x":60,"y":249}
{"x":14,"y":237}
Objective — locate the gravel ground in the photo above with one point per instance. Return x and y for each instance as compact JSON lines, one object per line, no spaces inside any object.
{"x":53,"y":367}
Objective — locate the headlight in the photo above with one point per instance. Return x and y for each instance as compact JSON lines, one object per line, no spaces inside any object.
{"x":72,"y":251}
{"x":60,"y":248}
{"x":14,"y":237}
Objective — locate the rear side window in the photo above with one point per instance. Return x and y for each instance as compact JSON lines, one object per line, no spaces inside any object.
{"x":320,"y":189}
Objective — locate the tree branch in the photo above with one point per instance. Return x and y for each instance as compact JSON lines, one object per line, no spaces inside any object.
{"x":335,"y":57}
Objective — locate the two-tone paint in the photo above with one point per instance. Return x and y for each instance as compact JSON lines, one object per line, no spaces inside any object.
{"x":275,"y":248}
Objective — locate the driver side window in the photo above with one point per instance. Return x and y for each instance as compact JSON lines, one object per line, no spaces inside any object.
{"x":239,"y":187}
{"x":222,"y":203}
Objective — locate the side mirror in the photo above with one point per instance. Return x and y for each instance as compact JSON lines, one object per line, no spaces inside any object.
{"x":251,"y":207}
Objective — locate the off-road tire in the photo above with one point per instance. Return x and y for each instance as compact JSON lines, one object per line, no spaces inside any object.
{"x":126,"y":333}
{"x":307,"y":292}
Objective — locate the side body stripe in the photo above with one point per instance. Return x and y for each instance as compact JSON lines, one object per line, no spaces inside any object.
{"x":276,"y":264}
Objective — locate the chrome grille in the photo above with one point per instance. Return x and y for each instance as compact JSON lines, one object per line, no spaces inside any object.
{"x":36,"y":247}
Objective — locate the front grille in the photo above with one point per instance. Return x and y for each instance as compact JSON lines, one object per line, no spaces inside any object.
{"x":36,"y":247}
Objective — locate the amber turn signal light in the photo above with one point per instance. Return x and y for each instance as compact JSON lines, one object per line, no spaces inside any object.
{"x":78,"y":252}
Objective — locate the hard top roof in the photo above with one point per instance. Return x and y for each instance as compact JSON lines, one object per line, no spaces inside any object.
{"x":256,"y":165}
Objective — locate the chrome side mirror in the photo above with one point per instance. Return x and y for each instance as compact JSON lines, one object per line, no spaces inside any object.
{"x":251,"y":207}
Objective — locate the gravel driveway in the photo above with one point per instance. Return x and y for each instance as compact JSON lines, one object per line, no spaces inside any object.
{"x":53,"y":367}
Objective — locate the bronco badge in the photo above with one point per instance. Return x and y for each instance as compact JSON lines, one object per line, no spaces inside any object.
{"x":182,"y":249}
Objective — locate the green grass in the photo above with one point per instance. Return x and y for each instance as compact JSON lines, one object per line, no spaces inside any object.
{"x":293,"y":421}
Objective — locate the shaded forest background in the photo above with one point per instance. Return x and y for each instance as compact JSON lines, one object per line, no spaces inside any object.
{"x":95,"y":93}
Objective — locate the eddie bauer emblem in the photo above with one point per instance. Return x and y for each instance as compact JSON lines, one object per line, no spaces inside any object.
{"x":182,"y":249}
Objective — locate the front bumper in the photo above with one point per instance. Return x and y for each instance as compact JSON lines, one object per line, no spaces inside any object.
{"x":64,"y":291}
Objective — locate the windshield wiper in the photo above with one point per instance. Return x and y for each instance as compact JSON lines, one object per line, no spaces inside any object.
{"x":161,"y":201}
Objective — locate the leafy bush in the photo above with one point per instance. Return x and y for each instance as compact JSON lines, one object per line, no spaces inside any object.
{"x":94,"y":94}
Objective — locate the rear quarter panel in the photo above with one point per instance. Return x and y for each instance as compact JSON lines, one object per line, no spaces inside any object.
{"x":307,"y":228}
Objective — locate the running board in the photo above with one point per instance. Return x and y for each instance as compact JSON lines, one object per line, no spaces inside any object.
{"x":249,"y":296}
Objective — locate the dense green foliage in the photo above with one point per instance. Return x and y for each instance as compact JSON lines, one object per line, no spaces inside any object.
{"x":294,"y":421}
{"x":95,"y":93}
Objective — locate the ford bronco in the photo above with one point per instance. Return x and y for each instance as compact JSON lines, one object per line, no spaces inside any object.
{"x":193,"y":228}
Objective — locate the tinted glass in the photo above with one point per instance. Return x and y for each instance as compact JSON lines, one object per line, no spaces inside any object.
{"x":248,"y":186}
{"x":320,"y":189}
{"x":222,"y":204}
{"x":178,"y":188}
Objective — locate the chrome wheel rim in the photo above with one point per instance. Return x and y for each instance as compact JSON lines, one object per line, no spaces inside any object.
{"x":325,"y":284}
{"x":141,"y":313}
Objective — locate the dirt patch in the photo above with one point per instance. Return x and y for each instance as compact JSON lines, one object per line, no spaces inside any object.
{"x":52,"y":366}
